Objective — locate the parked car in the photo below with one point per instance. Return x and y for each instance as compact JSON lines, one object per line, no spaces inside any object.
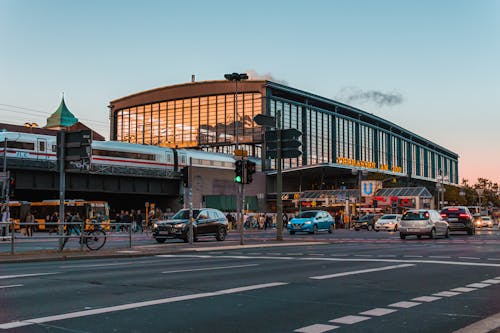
{"x":486,"y":222}
{"x":311,"y":221}
{"x":423,"y":222}
{"x":207,"y":222}
{"x":366,"y":222}
{"x":389,"y":222}
{"x":459,"y":219}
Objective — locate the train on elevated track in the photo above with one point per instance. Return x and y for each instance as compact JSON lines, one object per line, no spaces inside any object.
{"x":114,"y":155}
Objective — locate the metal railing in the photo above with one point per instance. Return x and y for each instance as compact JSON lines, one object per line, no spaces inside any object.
{"x":15,"y":231}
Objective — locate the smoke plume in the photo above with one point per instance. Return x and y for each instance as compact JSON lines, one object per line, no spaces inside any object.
{"x":253,"y":75}
{"x":353,"y":95}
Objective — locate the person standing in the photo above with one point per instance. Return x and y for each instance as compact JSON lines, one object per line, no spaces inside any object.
{"x":30,"y":219}
{"x":5,"y":218}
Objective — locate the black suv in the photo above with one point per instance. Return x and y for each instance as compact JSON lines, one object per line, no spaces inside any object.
{"x":366,"y":222}
{"x":207,"y":222}
{"x":459,"y":218}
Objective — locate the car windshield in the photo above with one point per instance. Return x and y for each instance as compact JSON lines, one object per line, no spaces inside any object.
{"x":184,"y":214}
{"x":365,"y":218}
{"x":305,"y":215}
{"x":388,"y":217}
{"x":486,"y":218}
{"x":415,"y":216}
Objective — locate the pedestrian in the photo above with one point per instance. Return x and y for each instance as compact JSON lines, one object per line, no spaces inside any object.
{"x":138,"y":221}
{"x":30,"y":219}
{"x":5,"y":220}
{"x":285,"y":220}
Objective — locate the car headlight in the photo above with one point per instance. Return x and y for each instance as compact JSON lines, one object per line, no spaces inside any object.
{"x":179,"y":225}
{"x":155,"y":225}
{"x":307,"y":222}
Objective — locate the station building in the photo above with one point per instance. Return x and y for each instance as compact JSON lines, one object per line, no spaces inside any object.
{"x":341,"y":144}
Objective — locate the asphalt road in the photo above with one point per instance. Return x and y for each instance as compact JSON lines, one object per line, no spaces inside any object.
{"x":361,"y":282}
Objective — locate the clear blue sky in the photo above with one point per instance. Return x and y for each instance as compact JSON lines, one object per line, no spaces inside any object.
{"x":441,"y":57}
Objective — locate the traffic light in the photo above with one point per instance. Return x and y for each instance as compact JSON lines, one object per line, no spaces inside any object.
{"x":238,"y":171}
{"x":250,"y":171}
{"x":12,"y":186}
{"x":290,"y":143}
{"x":185,"y":176}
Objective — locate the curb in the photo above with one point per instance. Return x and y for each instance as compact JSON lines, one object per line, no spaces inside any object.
{"x":487,"y":325}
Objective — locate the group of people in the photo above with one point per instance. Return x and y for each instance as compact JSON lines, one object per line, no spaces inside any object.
{"x":29,"y":221}
{"x":135,"y":218}
{"x":257,"y":221}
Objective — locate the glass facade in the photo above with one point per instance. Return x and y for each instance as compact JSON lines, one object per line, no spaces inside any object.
{"x":193,"y":122}
{"x":331,"y":134}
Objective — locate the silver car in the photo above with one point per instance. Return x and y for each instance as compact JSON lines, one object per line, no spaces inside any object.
{"x":388,"y":222}
{"x":420,"y":222}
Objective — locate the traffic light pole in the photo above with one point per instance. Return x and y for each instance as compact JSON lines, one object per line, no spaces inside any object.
{"x":62,"y":187}
{"x":279,"y":181}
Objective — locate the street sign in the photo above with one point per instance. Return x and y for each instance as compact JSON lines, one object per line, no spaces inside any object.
{"x":289,"y":143}
{"x":240,"y":152}
{"x":265,"y":120}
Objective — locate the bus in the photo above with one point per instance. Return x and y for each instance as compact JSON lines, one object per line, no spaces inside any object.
{"x":89,"y":210}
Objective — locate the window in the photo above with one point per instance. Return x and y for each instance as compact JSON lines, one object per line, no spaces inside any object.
{"x":21,"y":145}
{"x":124,"y":154}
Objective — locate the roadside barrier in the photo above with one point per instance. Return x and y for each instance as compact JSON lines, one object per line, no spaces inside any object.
{"x":56,"y":231}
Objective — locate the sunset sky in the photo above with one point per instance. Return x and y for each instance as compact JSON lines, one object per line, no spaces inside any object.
{"x":439,"y":59}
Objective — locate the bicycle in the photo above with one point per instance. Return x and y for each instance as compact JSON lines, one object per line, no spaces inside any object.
{"x":94,"y":239}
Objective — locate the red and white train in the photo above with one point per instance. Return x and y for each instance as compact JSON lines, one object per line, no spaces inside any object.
{"x":113,"y":153}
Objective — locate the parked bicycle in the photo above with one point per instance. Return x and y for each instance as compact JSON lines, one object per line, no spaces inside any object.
{"x":94,"y":238}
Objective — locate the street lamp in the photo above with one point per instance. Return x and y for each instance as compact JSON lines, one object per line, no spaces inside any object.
{"x":236,"y":77}
{"x":240,"y":194}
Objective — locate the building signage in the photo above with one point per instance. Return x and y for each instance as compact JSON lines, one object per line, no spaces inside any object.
{"x":367,"y":164}
{"x":369,"y":187}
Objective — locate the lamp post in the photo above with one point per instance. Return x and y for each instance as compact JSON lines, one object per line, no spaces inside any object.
{"x":240,"y":194}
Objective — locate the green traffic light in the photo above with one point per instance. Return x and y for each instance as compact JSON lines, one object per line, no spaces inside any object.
{"x":237,"y":179}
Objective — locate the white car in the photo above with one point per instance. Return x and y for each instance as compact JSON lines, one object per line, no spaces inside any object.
{"x":389,"y":222}
{"x":423,"y":222}
{"x":486,"y":222}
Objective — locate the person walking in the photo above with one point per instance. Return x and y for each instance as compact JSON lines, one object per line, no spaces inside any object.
{"x":30,"y":219}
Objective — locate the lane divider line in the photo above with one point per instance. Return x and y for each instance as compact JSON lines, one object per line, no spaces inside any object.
{"x":404,"y":304}
{"x":446,"y":293}
{"x":208,"y":268}
{"x":349,"y":320}
{"x":316,"y":328}
{"x":377,"y":312}
{"x":129,"y":306}
{"x":426,"y":299}
{"x":385,"y":268}
{"x":11,"y":286}
{"x":2,"y":277}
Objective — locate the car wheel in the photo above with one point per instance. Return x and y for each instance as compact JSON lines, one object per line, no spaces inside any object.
{"x":369,"y":227}
{"x":432,"y":234}
{"x":160,"y":240}
{"x":330,"y":229}
{"x":447,"y":234}
{"x":402,"y":236}
{"x":221,"y":234}
{"x":315,"y":229}
{"x":419,"y":236}
{"x":292,"y":232}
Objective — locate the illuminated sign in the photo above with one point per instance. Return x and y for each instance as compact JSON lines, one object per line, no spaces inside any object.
{"x":369,"y":187}
{"x":367,"y":164}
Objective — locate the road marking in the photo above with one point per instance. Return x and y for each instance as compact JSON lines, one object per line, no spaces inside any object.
{"x":129,"y":306}
{"x":128,"y":251}
{"x":463,"y":290}
{"x":426,"y":299}
{"x":470,"y":258}
{"x":440,"y":262}
{"x":11,"y":286}
{"x":404,"y":305}
{"x":349,"y":320}
{"x":493,"y":259}
{"x":322,"y":277}
{"x":24,"y":275}
{"x":254,"y":253}
{"x":491,"y":281}
{"x":363,"y":255}
{"x":208,"y":268}
{"x":378,"y":312}
{"x":413,"y":256}
{"x":478,"y":285}
{"x":386,"y":255}
{"x":446,"y":293}
{"x":316,"y":328}
{"x":316,"y":254}
{"x":440,"y":257}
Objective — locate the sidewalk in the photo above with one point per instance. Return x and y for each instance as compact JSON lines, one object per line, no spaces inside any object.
{"x":143,"y":250}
